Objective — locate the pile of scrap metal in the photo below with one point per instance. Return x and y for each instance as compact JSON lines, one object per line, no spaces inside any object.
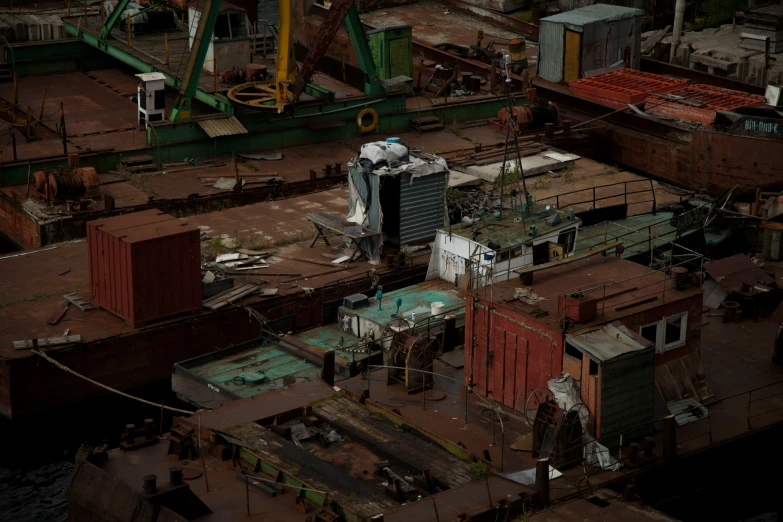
{"x":435,"y":80}
{"x":488,"y":53}
{"x":741,"y":287}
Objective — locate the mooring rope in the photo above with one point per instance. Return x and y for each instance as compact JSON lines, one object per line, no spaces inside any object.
{"x":108,"y":388}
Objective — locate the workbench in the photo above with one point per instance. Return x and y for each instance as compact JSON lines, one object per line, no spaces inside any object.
{"x":326,"y":222}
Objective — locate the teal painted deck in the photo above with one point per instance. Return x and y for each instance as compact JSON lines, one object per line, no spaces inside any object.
{"x":328,"y":337}
{"x":280,"y":368}
{"x":416,"y":298}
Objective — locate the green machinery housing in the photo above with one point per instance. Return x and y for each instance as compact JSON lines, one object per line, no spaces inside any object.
{"x":392,"y":51}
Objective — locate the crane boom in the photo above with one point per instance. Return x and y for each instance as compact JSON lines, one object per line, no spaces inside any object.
{"x":340,"y":10}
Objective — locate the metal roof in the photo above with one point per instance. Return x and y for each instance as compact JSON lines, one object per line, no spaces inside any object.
{"x":608,"y":342}
{"x":593,"y":13}
{"x":216,"y":127}
{"x":149,"y":77}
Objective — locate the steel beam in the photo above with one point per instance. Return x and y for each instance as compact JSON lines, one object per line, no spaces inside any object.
{"x":372,"y":86}
{"x":113,"y":18}
{"x":201,"y":43}
{"x":218,"y":102}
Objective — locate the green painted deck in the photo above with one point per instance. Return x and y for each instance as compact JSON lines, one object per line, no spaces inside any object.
{"x":280,"y":369}
{"x":637,"y":233}
{"x":513,"y":228}
{"x":417,"y":298}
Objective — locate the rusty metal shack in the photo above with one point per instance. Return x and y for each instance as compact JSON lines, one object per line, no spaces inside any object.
{"x":516,"y":337}
{"x":588,"y":41}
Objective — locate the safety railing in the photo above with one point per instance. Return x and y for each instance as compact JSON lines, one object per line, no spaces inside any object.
{"x":566,"y":197}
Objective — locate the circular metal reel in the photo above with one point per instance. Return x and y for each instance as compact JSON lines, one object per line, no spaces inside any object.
{"x":576,"y":430}
{"x":259,"y":95}
{"x":539,"y":395}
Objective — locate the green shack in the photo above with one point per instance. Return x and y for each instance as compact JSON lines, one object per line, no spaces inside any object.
{"x":392,"y":50}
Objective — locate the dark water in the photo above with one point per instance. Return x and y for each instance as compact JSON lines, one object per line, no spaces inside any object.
{"x":35,"y":494}
{"x":36,"y":456}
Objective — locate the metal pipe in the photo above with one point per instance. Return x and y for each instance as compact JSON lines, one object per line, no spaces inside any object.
{"x":679,"y":14}
{"x":201,"y":454}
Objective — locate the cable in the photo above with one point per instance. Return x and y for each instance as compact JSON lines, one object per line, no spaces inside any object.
{"x":126,"y":395}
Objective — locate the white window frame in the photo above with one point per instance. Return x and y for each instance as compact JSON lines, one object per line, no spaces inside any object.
{"x":660,"y":332}
{"x":683,"y":332}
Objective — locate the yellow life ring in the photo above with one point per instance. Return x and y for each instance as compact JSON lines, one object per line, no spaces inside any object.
{"x":359,"y":117}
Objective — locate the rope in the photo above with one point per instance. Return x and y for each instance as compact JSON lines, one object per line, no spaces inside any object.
{"x":107,"y":388}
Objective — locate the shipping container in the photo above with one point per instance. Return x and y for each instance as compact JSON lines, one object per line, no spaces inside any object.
{"x":589,"y":41}
{"x":144,"y":266}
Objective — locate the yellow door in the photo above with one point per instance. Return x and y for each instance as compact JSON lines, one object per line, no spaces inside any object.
{"x":555,"y":252}
{"x":572,"y":53}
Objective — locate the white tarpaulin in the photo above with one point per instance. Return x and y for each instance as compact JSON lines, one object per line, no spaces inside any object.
{"x":567,"y":396}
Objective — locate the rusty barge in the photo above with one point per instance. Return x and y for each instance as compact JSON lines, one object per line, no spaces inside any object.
{"x":714,"y":154}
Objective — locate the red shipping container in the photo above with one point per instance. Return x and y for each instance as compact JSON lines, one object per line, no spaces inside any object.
{"x":144,"y":266}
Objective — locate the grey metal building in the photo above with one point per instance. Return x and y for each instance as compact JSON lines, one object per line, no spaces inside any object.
{"x":589,"y":41}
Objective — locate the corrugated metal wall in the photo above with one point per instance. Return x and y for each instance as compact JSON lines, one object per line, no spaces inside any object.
{"x":626,"y":400}
{"x":551,"y":40}
{"x":605,"y":43}
{"x":421,"y":207}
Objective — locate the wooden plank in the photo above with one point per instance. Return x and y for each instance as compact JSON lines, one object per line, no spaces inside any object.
{"x":521,"y":393}
{"x":49,"y":341}
{"x":58,"y":315}
{"x":648,"y":44}
{"x":497,"y":362}
{"x":226,"y":297}
{"x":510,"y":367}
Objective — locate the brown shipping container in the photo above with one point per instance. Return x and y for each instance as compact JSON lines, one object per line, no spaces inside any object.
{"x":144,"y":266}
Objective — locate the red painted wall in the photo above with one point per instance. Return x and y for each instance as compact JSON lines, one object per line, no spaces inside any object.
{"x":525,"y":355}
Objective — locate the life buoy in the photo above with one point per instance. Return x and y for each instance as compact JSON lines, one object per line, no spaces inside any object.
{"x":365,"y":112}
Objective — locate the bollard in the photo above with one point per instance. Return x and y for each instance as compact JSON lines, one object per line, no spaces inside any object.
{"x":175,"y":475}
{"x":129,"y":431}
{"x":549,"y":129}
{"x":150,"y":483}
{"x":542,"y":480}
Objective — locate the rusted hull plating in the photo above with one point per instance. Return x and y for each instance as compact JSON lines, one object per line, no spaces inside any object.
{"x":693,"y":159}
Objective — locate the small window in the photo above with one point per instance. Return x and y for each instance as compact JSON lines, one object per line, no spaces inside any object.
{"x":650,"y":332}
{"x":572,"y":351}
{"x":222,"y":27}
{"x":675,"y":328}
{"x":568,"y":240}
{"x":593,"y":367}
